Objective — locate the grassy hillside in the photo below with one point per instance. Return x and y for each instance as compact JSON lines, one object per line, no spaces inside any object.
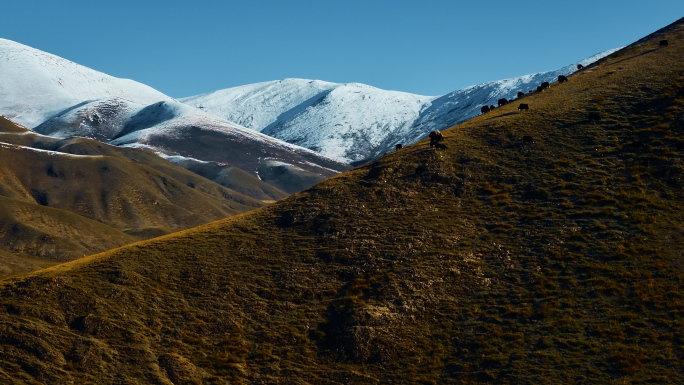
{"x":62,"y":199}
{"x":36,"y":231}
{"x":11,"y":264}
{"x":497,"y":260}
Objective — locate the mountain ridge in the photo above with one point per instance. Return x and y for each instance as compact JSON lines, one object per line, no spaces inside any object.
{"x":354,"y":122}
{"x":498,"y":259}
{"x":57,"y":97}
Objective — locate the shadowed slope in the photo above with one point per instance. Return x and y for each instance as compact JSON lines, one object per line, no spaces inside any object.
{"x":551,"y":260}
{"x":115,"y":190}
{"x":178,"y":130}
{"x":111,"y":189}
{"x":32,"y":230}
{"x":11,"y":264}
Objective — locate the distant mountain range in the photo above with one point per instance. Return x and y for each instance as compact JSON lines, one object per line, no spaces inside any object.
{"x":62,"y":99}
{"x":339,"y":123}
{"x":353,"y":122}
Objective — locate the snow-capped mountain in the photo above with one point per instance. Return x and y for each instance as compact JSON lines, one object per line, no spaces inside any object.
{"x":59,"y":98}
{"x":347,"y":122}
{"x":181,"y":133}
{"x":353,"y":122}
{"x":37,"y":85}
{"x":460,"y":105}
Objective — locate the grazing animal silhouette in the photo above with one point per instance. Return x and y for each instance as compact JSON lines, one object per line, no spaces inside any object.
{"x":436,"y":136}
{"x":521,"y":94}
{"x":664,"y":43}
{"x":523,"y":107}
{"x":398,"y":146}
{"x":545,"y":85}
{"x":502,"y":102}
{"x":579,"y":66}
{"x":562,"y":79}
{"x":484,"y":109}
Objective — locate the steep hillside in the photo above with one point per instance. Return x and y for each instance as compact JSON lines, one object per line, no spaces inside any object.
{"x":353,"y":122}
{"x":11,"y":264}
{"x":223,"y":174}
{"x":34,"y":233}
{"x":541,"y":246}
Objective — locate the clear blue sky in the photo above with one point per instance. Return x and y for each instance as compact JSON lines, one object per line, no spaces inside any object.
{"x":184,"y":48}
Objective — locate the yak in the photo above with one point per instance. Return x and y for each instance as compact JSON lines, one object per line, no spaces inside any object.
{"x":435,"y":138}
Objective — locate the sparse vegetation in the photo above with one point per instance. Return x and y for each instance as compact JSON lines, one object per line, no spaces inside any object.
{"x":492,"y":261}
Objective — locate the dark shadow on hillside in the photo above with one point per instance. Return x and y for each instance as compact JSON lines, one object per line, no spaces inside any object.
{"x":502,"y":116}
{"x":633,"y":56}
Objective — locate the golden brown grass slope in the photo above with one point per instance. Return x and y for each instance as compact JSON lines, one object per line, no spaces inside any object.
{"x":31,"y":230}
{"x":493,"y":261}
{"x":63,"y":199}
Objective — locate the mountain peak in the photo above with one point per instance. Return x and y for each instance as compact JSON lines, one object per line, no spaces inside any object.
{"x":56,"y":84}
{"x":355,"y":122}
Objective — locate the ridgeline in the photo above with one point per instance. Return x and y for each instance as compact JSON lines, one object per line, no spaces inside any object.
{"x":554,"y":259}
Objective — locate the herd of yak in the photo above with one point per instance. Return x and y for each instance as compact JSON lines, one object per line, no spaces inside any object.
{"x":523,"y":106}
{"x":436,"y":137}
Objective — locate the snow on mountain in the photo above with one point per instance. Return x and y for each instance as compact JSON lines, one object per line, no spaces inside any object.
{"x":37,"y":85}
{"x":333,"y":123}
{"x":346,"y":122}
{"x":102,"y":119}
{"x":56,"y":97}
{"x":261,"y":103}
{"x":173,"y":129}
{"x":353,"y":122}
{"x":460,"y":105}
